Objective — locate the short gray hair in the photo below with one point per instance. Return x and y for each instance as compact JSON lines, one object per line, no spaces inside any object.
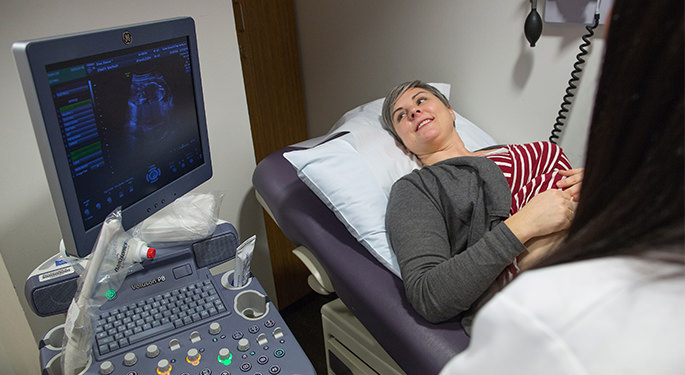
{"x":394,"y":94}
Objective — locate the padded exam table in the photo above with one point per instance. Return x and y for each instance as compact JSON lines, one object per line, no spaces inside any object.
{"x":371,"y":292}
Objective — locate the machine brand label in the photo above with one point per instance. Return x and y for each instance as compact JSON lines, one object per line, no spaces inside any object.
{"x":55,"y":274}
{"x":145,"y":284}
{"x":122,"y":256}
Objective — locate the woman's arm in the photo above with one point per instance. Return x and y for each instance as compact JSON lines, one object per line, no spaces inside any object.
{"x":548,"y":212}
{"x":440,"y":285}
{"x":541,"y":224}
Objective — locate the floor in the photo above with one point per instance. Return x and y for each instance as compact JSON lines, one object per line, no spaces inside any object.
{"x":304,"y":320}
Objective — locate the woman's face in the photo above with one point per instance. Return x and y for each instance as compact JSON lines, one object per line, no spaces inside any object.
{"x":421,"y":120}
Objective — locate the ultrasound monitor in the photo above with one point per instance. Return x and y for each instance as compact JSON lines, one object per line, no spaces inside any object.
{"x":119,"y":119}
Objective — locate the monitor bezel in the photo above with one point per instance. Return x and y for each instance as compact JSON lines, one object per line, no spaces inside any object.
{"x":32,"y":58}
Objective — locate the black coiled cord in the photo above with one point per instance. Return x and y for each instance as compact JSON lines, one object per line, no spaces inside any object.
{"x":570,"y":90}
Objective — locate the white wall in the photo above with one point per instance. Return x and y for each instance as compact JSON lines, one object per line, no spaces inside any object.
{"x":356,"y":50}
{"x":18,"y":351}
{"x":29,"y":232}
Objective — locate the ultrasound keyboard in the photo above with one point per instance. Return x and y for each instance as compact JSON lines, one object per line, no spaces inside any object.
{"x":138,"y":321}
{"x":175,"y":318}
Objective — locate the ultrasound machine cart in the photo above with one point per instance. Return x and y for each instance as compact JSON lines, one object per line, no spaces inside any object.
{"x":198,"y":323}
{"x":119,"y":120}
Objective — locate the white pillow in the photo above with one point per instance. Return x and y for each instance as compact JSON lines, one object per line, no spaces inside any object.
{"x":353,"y":174}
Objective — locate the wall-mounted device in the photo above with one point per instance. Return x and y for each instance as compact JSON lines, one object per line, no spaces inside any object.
{"x":601,"y":10}
{"x":533,"y":26}
{"x":564,"y":11}
{"x":589,"y":12}
{"x":577,"y":11}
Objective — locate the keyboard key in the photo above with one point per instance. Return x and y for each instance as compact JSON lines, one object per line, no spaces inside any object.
{"x":106,"y":340}
{"x":137,"y":337}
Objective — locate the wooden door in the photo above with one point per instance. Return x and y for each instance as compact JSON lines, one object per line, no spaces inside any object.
{"x":270,"y":60}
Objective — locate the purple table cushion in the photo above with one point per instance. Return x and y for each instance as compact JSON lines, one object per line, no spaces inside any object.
{"x":374,"y":295}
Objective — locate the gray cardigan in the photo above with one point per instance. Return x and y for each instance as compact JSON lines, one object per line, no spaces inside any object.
{"x":444,"y":223}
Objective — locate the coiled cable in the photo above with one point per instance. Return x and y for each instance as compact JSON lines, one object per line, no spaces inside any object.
{"x":575,"y":77}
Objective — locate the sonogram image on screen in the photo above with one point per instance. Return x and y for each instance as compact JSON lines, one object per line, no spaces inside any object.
{"x":149,"y":106}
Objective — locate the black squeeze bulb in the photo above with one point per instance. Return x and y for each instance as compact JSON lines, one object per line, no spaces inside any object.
{"x":533,"y":27}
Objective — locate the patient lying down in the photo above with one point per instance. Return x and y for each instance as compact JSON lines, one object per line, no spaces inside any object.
{"x":466,"y":223}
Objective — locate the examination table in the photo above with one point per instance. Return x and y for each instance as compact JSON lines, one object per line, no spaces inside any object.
{"x":373,"y":294}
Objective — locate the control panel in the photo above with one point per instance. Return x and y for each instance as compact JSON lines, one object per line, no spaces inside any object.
{"x":177,"y":319}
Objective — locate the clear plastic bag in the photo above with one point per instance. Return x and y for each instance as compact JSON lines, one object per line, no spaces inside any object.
{"x":103,"y":275}
{"x":188,"y":219}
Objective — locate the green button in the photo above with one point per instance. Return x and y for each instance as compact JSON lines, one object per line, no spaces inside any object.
{"x":111,"y":294}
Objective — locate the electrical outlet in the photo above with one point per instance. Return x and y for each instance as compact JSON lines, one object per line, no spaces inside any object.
{"x":576,"y":11}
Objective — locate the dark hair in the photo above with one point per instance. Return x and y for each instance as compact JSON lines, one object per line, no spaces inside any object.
{"x":632,"y":193}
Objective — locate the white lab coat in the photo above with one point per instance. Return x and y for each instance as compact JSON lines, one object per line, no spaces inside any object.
{"x":617,"y":315}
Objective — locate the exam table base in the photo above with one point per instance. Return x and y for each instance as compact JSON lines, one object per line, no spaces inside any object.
{"x":350,"y":348}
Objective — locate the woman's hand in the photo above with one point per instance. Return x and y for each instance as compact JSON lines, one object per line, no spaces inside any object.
{"x":538,"y":248}
{"x":571,"y":184}
{"x":548,"y":212}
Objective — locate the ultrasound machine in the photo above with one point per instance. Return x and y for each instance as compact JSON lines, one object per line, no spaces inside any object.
{"x":120,"y":123}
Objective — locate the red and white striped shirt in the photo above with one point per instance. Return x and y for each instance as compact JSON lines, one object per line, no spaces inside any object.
{"x":530,"y":169}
